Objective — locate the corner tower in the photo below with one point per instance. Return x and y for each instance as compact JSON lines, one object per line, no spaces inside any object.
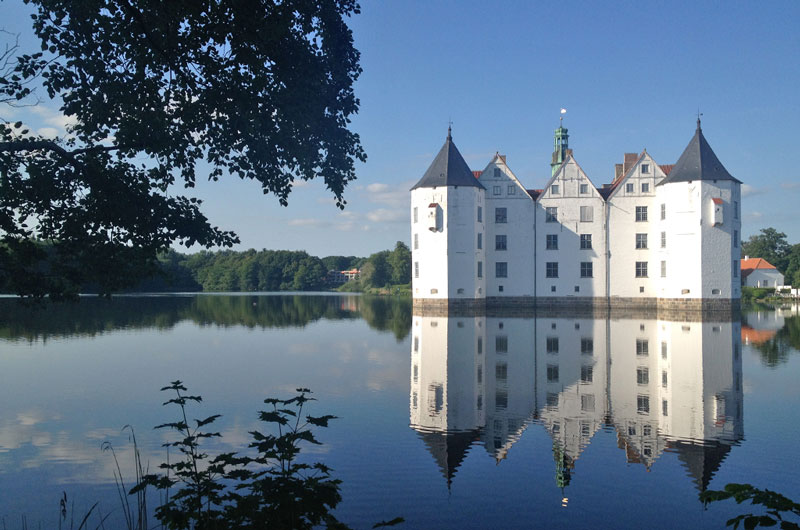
{"x":700,"y":222}
{"x":447,"y":230}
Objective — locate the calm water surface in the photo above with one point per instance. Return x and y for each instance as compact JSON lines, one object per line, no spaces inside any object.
{"x":473,"y":422}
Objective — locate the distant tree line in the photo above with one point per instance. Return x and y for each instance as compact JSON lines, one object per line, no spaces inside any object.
{"x":274,"y":270}
{"x":772,"y":246}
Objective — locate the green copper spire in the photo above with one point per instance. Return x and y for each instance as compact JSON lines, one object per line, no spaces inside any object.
{"x":560,"y":147}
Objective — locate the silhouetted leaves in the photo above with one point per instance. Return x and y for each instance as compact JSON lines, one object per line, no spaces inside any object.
{"x":777,"y":506}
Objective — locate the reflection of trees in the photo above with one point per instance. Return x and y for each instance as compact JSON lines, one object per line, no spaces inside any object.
{"x":777,"y":349}
{"x":91,"y":316}
{"x":387,"y":314}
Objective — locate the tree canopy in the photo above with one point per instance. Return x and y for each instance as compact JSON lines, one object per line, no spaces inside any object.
{"x":259,"y":90}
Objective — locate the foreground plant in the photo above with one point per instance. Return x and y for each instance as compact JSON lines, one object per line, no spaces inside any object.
{"x":269,"y":490}
{"x":777,"y":506}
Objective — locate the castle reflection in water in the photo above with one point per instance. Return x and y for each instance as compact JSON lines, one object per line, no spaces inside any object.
{"x":661,"y":385}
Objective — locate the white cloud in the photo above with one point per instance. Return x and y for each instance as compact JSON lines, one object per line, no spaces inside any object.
{"x":305,"y":222}
{"x":750,"y":191}
{"x":377,"y":187}
{"x":754,"y":215}
{"x":48,"y":132}
{"x":394,"y":196}
{"x":794,"y":185}
{"x":55,"y":119}
{"x":384,"y":215}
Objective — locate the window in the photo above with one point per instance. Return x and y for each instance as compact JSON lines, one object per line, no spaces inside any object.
{"x":500,"y":242}
{"x":629,"y":187}
{"x":512,"y":190}
{"x":663,"y":349}
{"x":642,"y":376}
{"x":496,"y":190}
{"x":642,"y":347}
{"x":416,"y":241}
{"x":735,"y":268}
{"x":663,"y":240}
{"x":497,"y":172}
{"x":552,"y":373}
{"x":587,"y":214}
{"x":586,"y":269}
{"x":586,"y":241}
{"x":500,"y":400}
{"x":551,"y":214}
{"x":551,"y":269}
{"x":587,"y":402}
{"x":552,"y":344}
{"x":501,"y":344}
{"x":643,"y":404}
{"x":500,"y":215}
{"x":641,"y":269}
{"x":664,"y":379}
{"x":416,"y":214}
{"x":554,"y":190}
{"x":480,"y":214}
{"x":645,"y":169}
{"x":641,"y":213}
{"x":552,"y":241}
{"x":584,"y":189}
{"x":480,"y":240}
{"x":663,"y":211}
{"x":480,"y":345}
{"x":586,"y":373}
{"x":641,"y":240}
{"x":501,"y":269}
{"x":735,"y":209}
{"x":501,"y":371}
{"x":587,"y":346}
{"x":480,"y":269}
{"x":735,"y":239}
{"x":416,"y":269}
{"x":416,"y":346}
{"x":663,"y":269}
{"x":551,"y":400}
{"x":664,"y":407}
{"x":645,"y":187}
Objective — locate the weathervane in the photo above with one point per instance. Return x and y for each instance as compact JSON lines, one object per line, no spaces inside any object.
{"x":698,"y":117}
{"x":449,"y":128}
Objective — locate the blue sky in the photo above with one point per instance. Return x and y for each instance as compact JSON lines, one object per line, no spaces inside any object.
{"x":631,"y":75}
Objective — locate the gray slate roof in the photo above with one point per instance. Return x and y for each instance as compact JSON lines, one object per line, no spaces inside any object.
{"x":698,"y":162}
{"x":448,"y":169}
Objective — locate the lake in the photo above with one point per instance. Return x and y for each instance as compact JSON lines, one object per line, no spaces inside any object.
{"x":498,"y":421}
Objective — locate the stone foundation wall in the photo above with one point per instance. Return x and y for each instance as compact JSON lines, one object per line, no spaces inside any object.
{"x":675,"y":309}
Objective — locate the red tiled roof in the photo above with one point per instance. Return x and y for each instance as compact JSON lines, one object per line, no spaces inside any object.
{"x":477,"y":174}
{"x":534,"y":193}
{"x":756,"y":263}
{"x":717,"y":200}
{"x":756,"y":336}
{"x":666,"y":168}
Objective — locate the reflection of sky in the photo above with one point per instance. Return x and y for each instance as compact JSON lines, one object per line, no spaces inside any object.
{"x":61,"y":400}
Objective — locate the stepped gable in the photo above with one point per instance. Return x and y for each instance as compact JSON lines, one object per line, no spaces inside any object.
{"x":448,"y":169}
{"x":698,"y":162}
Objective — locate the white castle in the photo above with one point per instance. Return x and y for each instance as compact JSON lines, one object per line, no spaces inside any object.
{"x":658,"y":236}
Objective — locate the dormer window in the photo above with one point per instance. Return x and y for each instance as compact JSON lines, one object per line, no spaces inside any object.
{"x":497,"y":172}
{"x":645,"y":168}
{"x":434,"y":223}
